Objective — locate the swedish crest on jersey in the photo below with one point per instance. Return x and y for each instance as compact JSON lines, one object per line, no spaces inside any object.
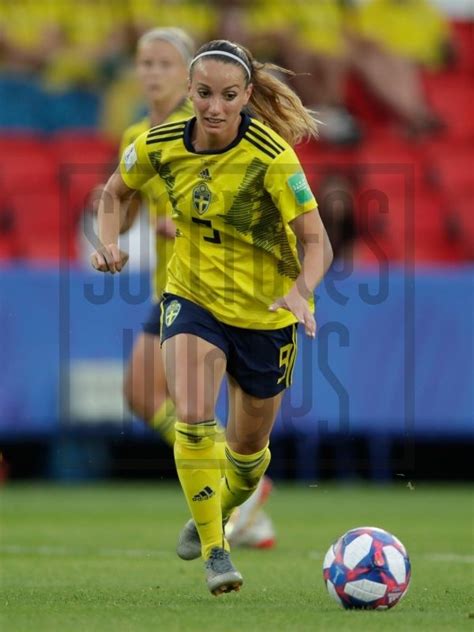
{"x":201,"y":198}
{"x":172,"y":312}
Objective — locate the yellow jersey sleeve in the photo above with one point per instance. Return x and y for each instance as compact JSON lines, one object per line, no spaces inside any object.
{"x":132,"y":132}
{"x":153,"y":191}
{"x":135,"y":165}
{"x":286,"y":182}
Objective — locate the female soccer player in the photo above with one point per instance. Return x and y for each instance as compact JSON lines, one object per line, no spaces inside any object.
{"x":236,"y":288}
{"x":162,"y":62}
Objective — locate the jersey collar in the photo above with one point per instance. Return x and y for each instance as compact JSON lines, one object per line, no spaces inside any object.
{"x":244,"y":124}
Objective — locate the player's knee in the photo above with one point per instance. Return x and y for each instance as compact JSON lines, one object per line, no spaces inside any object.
{"x":191,"y":413}
{"x":128,"y":392}
{"x":135,"y":401}
{"x":247,"y":446}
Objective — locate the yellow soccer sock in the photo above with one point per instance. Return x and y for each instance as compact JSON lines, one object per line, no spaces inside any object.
{"x":163,"y":421}
{"x":220,"y":447}
{"x":197,"y":463}
{"x":242,"y":474}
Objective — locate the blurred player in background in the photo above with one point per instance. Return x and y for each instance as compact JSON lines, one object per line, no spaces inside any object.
{"x":162,"y":61}
{"x":235,"y":288}
{"x":163,"y":55}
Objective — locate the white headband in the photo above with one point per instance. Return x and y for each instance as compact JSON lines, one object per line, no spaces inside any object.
{"x":225,"y":54}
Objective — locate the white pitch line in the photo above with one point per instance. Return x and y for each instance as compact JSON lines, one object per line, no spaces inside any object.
{"x":135,"y":552}
{"x":449,"y":557}
{"x":15,"y":549}
{"x":430,"y":557}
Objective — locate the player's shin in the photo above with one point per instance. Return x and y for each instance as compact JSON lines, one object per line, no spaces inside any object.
{"x":163,"y":421}
{"x":198,"y":465}
{"x":242,"y":475}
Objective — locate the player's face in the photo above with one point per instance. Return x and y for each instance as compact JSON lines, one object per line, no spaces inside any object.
{"x":219,"y":92}
{"x":161,"y":70}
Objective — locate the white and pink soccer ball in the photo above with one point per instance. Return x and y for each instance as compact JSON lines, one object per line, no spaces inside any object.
{"x":367,"y":568}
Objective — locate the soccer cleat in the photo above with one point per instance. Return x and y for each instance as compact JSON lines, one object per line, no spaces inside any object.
{"x":189,"y":544}
{"x":259,"y":534}
{"x":248,"y":524}
{"x":221,"y":575}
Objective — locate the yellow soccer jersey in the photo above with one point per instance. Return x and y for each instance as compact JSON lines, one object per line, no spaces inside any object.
{"x":156,"y":196}
{"x":319,"y":26}
{"x":196,"y":17}
{"x":235,"y":252}
{"x":415,"y":29}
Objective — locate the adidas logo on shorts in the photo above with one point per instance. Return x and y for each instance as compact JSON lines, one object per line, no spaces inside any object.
{"x":204,"y":494}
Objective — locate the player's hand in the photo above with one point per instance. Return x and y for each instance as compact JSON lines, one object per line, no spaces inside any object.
{"x":297,"y":305}
{"x":165,"y":227}
{"x":109,"y":259}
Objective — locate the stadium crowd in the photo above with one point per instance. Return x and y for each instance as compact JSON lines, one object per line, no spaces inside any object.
{"x":388,"y":80}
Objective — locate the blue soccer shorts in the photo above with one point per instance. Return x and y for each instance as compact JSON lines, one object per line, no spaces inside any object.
{"x":260,"y":360}
{"x":152,"y":324}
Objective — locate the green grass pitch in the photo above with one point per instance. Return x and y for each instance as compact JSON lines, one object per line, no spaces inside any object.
{"x":101,"y":558}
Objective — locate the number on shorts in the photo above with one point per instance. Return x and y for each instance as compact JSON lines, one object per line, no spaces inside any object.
{"x":287,"y":361}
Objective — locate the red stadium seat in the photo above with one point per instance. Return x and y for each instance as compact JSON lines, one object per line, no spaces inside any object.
{"x":452,"y":167}
{"x":29,"y":171}
{"x":25,"y":162}
{"x":8,"y":250}
{"x":463,"y":32}
{"x":320,"y":159}
{"x":45,"y":185}
{"x":85,"y":139}
{"x":400,"y":214}
{"x":461,"y":210}
{"x":385,"y":157}
{"x":84,"y":161}
{"x":12,"y":144}
{"x":390,"y":172}
{"x":368,"y":110}
{"x":408,"y":223}
{"x":79,"y":148}
{"x":8,"y":241}
{"x":45,"y":229}
{"x":451,"y":95}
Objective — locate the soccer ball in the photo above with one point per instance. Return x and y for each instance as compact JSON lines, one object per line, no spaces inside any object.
{"x":367,"y":568}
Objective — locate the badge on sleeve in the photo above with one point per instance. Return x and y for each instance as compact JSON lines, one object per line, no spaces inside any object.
{"x":130,"y":157}
{"x":300,"y":187}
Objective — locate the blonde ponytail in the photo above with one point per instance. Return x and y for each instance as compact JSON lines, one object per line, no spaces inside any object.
{"x":278,"y":106}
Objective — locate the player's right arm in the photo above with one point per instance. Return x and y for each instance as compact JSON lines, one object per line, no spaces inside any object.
{"x":110,"y":215}
{"x":131,"y":209}
{"x":129,"y":212}
{"x":134,"y":171}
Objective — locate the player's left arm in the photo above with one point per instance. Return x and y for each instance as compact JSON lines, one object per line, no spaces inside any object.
{"x":286,"y":182}
{"x":317,"y":257}
{"x":317,"y":250}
